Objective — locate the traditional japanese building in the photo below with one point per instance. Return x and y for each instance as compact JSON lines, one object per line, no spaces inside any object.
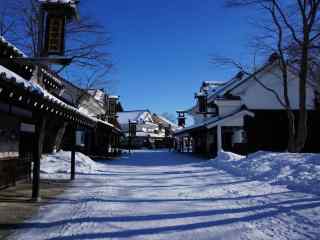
{"x":32,"y":113}
{"x":150,"y":132}
{"x":245,"y":115}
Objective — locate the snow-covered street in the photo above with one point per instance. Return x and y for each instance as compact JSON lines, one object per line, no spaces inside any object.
{"x":162,"y":195}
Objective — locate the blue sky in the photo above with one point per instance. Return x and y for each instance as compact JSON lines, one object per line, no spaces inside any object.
{"x":161,"y":48}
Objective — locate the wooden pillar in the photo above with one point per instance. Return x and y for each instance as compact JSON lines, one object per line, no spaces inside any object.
{"x":36,"y":167}
{"x":73,"y":155}
{"x":219,"y":139}
{"x":37,"y":150}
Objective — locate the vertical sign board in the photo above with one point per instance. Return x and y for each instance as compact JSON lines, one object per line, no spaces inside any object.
{"x":54,"y":38}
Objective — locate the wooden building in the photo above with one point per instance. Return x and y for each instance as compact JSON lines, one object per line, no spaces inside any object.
{"x":243,"y":116}
{"x":31,"y":113}
{"x":150,"y":131}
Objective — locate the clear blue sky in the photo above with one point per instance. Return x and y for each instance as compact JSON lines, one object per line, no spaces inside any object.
{"x":161,"y":48}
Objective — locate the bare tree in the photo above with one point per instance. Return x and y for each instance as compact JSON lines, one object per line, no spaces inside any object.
{"x":87,"y":40}
{"x":290,"y":25}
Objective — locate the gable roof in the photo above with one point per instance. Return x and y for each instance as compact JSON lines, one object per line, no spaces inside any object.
{"x":212,"y":122}
{"x":133,"y":115}
{"x":238,"y":80}
{"x":164,"y":121}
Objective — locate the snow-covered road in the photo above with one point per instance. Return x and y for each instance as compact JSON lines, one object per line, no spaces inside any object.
{"x":161,"y":195}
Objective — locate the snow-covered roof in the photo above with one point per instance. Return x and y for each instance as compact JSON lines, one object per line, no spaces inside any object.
{"x":35,"y":88}
{"x":18,"y":51}
{"x":238,"y":80}
{"x":97,"y":94}
{"x":135,"y":115}
{"x":212,"y":122}
{"x":147,"y":134}
{"x":59,"y":1}
{"x":167,"y":121}
{"x":212,"y":86}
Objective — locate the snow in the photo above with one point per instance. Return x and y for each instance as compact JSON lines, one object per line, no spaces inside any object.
{"x":124,"y":117}
{"x":18,"y":51}
{"x":160,"y":195}
{"x":58,"y":1}
{"x":34,"y":87}
{"x":296,"y":171}
{"x":214,"y":121}
{"x":60,"y":163}
{"x":20,"y":81}
{"x":173,"y":125}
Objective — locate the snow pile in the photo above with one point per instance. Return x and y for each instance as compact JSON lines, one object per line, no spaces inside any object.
{"x":296,"y":171}
{"x":60,"y":163}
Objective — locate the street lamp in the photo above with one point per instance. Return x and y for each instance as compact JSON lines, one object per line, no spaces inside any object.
{"x":132,"y":132}
{"x":56,"y":13}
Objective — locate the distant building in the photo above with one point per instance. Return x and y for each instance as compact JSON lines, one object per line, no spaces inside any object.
{"x":151,"y":129}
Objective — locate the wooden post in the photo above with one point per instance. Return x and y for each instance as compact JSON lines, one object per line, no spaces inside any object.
{"x":219,"y":139}
{"x":39,"y":129}
{"x":73,"y":155}
{"x":40,"y":122}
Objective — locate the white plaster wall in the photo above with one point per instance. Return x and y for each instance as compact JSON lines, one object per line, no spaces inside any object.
{"x":228,"y":107}
{"x":254,"y":96}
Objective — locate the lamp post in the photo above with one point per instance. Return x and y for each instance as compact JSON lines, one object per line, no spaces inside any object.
{"x":56,"y":14}
{"x":132,"y":133}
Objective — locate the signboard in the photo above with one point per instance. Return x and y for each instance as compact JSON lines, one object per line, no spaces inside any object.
{"x":80,"y":138}
{"x":54,"y":38}
{"x":132,"y":129}
{"x":28,"y":128}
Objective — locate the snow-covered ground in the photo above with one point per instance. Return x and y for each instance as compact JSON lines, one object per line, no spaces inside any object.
{"x":296,"y":171}
{"x":161,"y":195}
{"x":60,"y":163}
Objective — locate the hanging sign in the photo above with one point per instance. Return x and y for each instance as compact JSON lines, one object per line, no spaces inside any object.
{"x":55,"y":34}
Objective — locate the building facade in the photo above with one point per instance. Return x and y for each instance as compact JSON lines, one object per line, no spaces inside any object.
{"x":246,"y":114}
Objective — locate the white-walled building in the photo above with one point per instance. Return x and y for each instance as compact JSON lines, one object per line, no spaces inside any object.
{"x":245,"y":114}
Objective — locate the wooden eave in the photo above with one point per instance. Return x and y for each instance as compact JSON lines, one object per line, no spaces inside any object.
{"x":17,"y":94}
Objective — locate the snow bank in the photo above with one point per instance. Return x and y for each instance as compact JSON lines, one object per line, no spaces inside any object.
{"x":60,"y":163}
{"x":296,"y":171}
